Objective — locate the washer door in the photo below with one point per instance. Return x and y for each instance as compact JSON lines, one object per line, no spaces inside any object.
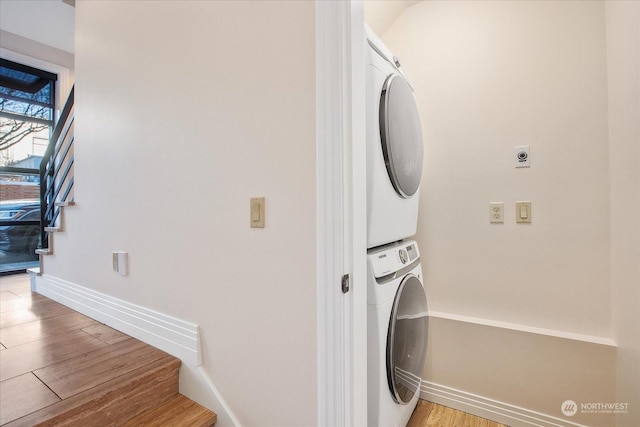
{"x":407,"y":340}
{"x":401,"y":135}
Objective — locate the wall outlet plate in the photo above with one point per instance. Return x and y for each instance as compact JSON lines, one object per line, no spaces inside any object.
{"x":496,"y":212}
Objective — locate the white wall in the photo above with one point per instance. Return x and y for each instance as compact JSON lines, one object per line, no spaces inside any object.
{"x":185,"y":110}
{"x":623,"y":53}
{"x":490,"y":76}
{"x":49,"y":22}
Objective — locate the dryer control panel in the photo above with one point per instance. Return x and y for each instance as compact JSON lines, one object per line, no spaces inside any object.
{"x":389,"y":259}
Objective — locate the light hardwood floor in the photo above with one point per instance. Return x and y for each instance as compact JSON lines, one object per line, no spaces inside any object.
{"x":428,"y":414}
{"x":58,"y":365}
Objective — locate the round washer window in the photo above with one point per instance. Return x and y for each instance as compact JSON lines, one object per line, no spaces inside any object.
{"x":407,"y":340}
{"x":401,"y":135}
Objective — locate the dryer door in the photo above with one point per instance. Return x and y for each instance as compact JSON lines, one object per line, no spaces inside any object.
{"x":407,"y":340}
{"x":401,"y":135}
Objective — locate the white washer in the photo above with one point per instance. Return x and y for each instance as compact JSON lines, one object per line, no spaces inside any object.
{"x":394,"y":148}
{"x":397,"y":333}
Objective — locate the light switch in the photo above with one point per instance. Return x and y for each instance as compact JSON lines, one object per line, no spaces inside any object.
{"x":257,"y":212}
{"x":523,"y":212}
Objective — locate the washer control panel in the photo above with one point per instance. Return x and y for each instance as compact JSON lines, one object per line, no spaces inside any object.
{"x":389,"y":259}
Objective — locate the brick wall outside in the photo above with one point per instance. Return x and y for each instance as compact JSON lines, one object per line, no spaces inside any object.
{"x":18,"y":191}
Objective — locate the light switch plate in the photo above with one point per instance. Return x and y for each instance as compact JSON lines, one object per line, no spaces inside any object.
{"x":523,"y":212}
{"x":256,"y":212}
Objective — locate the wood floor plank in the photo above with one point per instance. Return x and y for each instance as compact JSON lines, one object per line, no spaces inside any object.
{"x":38,"y":354}
{"x":420,"y":414}
{"x":15,"y":281}
{"x":22,"y":302}
{"x":109,"y":403}
{"x":461,"y":419}
{"x":21,"y":292}
{"x":105,"y":333}
{"x":177,"y":411}
{"x":23,"y":395}
{"x":428,"y":414}
{"x":80,"y":373}
{"x":44,"y":310}
{"x":6,"y":295}
{"x":22,"y":333}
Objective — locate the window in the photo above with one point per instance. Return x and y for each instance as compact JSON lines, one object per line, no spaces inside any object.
{"x":27,"y":97}
{"x":27,"y":100}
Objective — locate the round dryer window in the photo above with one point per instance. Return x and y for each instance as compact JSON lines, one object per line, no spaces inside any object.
{"x":401,"y":135}
{"x":407,"y":340}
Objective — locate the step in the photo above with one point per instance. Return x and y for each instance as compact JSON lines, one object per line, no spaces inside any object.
{"x":46,"y":251}
{"x":137,"y":379}
{"x":175,"y":411}
{"x":53,"y":229}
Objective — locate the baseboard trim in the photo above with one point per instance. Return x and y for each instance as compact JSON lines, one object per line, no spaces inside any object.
{"x":524,"y":328}
{"x":223,"y":403}
{"x":494,"y":410}
{"x":177,"y":337}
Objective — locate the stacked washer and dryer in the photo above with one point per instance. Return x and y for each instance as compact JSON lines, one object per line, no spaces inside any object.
{"x":397,"y":305}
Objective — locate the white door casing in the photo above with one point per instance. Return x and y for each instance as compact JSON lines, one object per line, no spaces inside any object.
{"x":341,"y":193}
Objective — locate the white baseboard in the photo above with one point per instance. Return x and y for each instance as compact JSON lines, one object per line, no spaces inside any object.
{"x":177,"y":337}
{"x":494,"y":410}
{"x":516,"y":374}
{"x":525,"y":328}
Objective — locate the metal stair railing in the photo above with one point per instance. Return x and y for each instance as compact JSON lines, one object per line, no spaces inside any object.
{"x":56,"y":170}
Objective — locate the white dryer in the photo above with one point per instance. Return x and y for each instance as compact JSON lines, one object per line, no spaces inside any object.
{"x":394,"y":148}
{"x":397,"y":333}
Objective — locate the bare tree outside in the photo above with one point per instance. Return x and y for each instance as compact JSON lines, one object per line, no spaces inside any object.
{"x":14,"y":130}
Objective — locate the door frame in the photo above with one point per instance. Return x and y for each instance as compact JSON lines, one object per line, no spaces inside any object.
{"x":341,"y":213}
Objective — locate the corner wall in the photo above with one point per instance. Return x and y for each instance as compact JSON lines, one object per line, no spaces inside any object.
{"x":185,"y":110}
{"x":521,"y":312}
{"x":623,"y":60}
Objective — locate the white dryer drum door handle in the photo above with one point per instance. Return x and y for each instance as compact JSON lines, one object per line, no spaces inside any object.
{"x":401,"y":135}
{"x":407,"y":340}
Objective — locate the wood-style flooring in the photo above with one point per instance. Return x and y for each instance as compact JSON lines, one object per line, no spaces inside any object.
{"x":429,"y":414}
{"x":58,"y":366}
